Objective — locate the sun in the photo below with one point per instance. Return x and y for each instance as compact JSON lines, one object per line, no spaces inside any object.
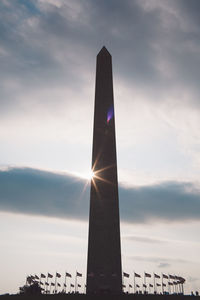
{"x":90,"y":174}
{"x":86,"y":175}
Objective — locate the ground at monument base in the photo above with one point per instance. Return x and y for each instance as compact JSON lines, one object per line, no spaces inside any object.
{"x":99,"y":297}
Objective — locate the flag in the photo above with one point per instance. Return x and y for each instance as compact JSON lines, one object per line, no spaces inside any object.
{"x":151,"y":285}
{"x":42,"y":276}
{"x":123,"y":286}
{"x":36,"y":277}
{"x":32,"y":277}
{"x":156,"y":276}
{"x":52,"y":284}
{"x":144,"y":285}
{"x":58,"y":275}
{"x":137,"y":275}
{"x":170,"y":283}
{"x":182,"y":280}
{"x":165,"y":276}
{"x":125,"y":274}
{"x":171,"y":276}
{"x":164,"y":284}
{"x":72,"y":285}
{"x":158,"y":284}
{"x":59,"y":284}
{"x":130,"y":285}
{"x":78,"y":274}
{"x":91,"y":274}
{"x":68,"y":275}
{"x":41,"y":282}
{"x":46,"y":283}
{"x":79,"y":285}
{"x":174,"y":282}
{"x":147,"y":275}
{"x":65,"y":285}
{"x":137,"y":285}
{"x":178,"y":277}
{"x":29,"y":279}
{"x":49,"y":275}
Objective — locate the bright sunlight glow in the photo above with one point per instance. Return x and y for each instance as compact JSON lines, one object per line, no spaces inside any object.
{"x":86,"y":175}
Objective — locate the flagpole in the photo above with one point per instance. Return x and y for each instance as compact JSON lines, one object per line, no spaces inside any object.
{"x":55,"y":283}
{"x":162,"y":284}
{"x":75,"y":281}
{"x":134,"y":284}
{"x":47,"y":282}
{"x":168,"y":281}
{"x":65,"y":282}
{"x":154,"y":282}
{"x":40,"y":280}
{"x":145,"y":282}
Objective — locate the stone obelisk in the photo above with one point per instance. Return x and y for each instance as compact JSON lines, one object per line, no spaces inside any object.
{"x":104,"y":272}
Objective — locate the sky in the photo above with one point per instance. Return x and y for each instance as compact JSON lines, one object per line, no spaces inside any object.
{"x":48,"y":54}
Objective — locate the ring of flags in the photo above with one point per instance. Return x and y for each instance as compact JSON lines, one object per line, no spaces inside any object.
{"x":170,"y":282}
{"x":49,"y":283}
{"x":174,"y":281}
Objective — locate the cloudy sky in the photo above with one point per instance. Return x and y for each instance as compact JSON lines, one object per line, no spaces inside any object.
{"x":48,"y":53}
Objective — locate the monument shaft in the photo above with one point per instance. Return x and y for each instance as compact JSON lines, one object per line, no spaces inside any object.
{"x":104,"y":251}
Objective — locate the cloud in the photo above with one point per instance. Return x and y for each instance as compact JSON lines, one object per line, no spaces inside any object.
{"x":53,"y":43}
{"x":192,"y":279}
{"x":38,"y":192}
{"x":163,"y":265}
{"x":47,"y":57}
{"x":166,"y":261}
{"x":43,"y":193}
{"x":169,"y":201}
{"x":144,"y":239}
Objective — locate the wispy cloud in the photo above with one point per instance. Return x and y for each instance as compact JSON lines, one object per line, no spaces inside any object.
{"x":161,"y":261}
{"x":163,"y":265}
{"x":144,"y":239}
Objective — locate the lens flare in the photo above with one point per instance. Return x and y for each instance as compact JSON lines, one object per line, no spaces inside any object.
{"x":110,"y":114}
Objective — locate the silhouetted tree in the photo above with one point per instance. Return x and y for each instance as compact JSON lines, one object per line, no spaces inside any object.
{"x":33,"y":289}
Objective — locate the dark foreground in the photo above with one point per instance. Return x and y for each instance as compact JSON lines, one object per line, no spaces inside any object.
{"x":98,"y":297}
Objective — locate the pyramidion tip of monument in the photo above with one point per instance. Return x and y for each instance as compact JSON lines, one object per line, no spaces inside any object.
{"x":104,"y":51}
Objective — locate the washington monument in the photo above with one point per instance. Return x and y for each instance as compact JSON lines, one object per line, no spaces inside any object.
{"x":104,"y":272}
